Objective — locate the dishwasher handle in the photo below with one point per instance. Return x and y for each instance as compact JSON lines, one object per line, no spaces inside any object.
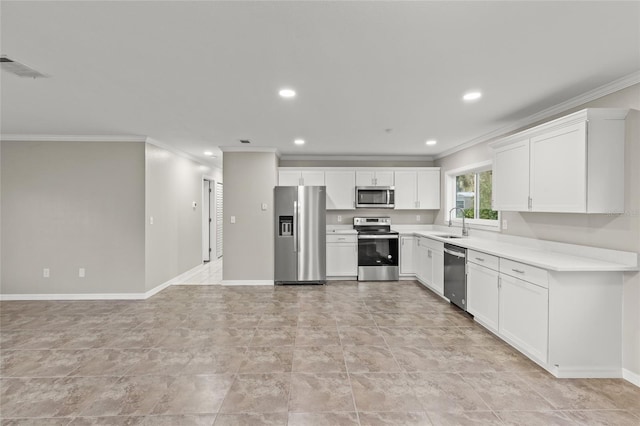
{"x":455,"y":253}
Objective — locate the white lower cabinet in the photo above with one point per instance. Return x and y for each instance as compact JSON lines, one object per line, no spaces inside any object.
{"x":406,"y":255}
{"x":524,"y":316}
{"x":342,"y":256}
{"x":437,"y":277}
{"x":429,"y":263}
{"x":482,"y":295}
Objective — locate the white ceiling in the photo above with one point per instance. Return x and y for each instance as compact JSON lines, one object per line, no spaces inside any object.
{"x":200,"y":75}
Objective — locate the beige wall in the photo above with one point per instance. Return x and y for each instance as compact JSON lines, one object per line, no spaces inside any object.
{"x":248,"y":245}
{"x":620,"y":232}
{"x":67,"y":205}
{"x":174,"y":242}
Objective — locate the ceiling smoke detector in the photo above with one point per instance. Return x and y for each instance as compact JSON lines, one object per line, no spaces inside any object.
{"x":21,"y":70}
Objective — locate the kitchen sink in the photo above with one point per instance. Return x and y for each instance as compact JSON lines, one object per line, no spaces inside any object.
{"x":447,"y":236}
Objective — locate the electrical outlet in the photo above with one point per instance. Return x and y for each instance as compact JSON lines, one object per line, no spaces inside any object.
{"x":504,"y":224}
{"x":45,"y":273}
{"x":417,"y":218}
{"x":150,"y":220}
{"x":339,"y":218}
{"x":81,"y":272}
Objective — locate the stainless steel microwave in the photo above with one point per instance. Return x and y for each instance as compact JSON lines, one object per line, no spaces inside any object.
{"x":378,"y":197}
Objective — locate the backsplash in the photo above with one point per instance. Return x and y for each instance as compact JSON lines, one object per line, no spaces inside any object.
{"x":398,"y":217}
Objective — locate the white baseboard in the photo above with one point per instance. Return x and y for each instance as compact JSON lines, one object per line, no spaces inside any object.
{"x":631,"y":377}
{"x":74,"y":296}
{"x":247,"y":282}
{"x":101,"y":296}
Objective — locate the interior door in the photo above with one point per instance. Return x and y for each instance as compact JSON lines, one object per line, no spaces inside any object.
{"x":206,"y":219}
{"x":218,"y":219}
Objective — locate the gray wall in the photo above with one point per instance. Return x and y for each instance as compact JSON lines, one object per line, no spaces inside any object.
{"x":174,"y":241}
{"x":67,"y":205}
{"x":620,"y":232}
{"x":248,"y":245}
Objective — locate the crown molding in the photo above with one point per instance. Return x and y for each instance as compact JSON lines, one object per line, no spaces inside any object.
{"x":591,"y":95}
{"x":414,"y":158}
{"x":72,"y":138}
{"x":248,"y":149}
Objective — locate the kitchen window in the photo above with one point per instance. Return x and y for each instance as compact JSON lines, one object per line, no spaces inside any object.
{"x":469,"y":188}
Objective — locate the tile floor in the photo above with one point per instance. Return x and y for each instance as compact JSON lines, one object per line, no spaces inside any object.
{"x":346,"y":353}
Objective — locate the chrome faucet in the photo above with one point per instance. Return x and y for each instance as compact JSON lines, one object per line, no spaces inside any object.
{"x":465,"y":230}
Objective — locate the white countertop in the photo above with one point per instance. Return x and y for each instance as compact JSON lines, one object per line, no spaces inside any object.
{"x":536,"y":256}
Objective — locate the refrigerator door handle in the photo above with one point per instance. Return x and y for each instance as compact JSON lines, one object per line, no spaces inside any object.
{"x":295,"y":227}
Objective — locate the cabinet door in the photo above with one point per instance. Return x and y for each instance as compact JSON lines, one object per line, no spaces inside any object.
{"x":511,"y":177}
{"x":482,"y":295}
{"x":559,"y":170}
{"x":428,"y":266}
{"x":384,"y":178}
{"x":365,"y":178}
{"x":428,"y":189}
{"x":524,"y":316}
{"x":289,"y":178}
{"x":341,"y":190}
{"x":312,"y":178}
{"x":437,"y":271}
{"x":406,"y":255}
{"x":405,"y":194}
{"x":342,"y":260}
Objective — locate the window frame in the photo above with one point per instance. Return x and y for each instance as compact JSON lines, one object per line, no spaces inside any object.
{"x":450,"y":197}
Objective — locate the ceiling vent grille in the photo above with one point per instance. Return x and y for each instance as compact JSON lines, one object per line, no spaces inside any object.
{"x":21,"y":70}
{"x":245,"y":141}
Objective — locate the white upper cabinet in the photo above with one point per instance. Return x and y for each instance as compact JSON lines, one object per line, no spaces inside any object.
{"x":429,"y":189}
{"x":374,"y":178}
{"x":300,"y":178}
{"x":574,"y":164}
{"x":511,"y":177}
{"x":558,"y":170}
{"x":406,"y":190}
{"x":417,"y":189}
{"x":341,"y":189}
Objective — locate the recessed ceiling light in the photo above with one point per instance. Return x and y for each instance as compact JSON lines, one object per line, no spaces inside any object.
{"x":472,"y":96}
{"x":287,"y":93}
{"x":299,"y":141}
{"x":208,"y":153}
{"x":431,"y":142}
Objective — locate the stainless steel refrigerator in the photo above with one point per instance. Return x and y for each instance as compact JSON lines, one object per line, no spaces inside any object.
{"x":301,"y":235}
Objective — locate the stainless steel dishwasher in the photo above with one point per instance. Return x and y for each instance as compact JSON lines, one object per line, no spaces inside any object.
{"x":455,"y":275}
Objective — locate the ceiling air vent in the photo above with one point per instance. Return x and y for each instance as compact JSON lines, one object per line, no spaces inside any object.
{"x":21,"y":70}
{"x":245,"y":141}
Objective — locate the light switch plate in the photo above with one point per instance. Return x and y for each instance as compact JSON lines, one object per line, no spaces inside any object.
{"x":504,"y":224}
{"x":339,"y":218}
{"x":81,"y":272}
{"x":264,"y":207}
{"x":233,"y":219}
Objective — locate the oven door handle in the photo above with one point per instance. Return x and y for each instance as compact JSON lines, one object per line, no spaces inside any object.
{"x":377,"y":237}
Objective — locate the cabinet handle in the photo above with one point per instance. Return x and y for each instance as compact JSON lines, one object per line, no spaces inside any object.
{"x":499,"y":282}
{"x":301,"y":181}
{"x":479,"y":259}
{"x":519,"y":271}
{"x":530,"y":205}
{"x":341,"y":239}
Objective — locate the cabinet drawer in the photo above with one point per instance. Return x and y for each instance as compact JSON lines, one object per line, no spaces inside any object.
{"x":342,"y":238}
{"x":483,"y":259}
{"x":434,"y":245}
{"x":524,"y":272}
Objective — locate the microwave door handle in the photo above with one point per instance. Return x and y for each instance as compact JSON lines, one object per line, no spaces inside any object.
{"x":388,"y":196}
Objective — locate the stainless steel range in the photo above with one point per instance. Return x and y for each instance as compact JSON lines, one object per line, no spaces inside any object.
{"x":377,"y":249}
